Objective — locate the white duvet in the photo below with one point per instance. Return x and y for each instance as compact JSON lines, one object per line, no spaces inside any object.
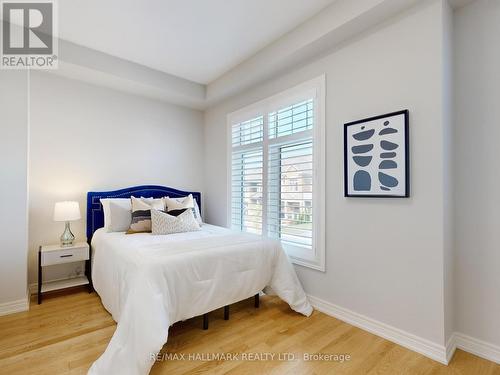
{"x":150,"y":282}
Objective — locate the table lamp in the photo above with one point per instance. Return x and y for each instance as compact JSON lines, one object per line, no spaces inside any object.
{"x":67,"y":211}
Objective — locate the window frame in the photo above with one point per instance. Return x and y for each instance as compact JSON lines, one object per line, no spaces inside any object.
{"x":315,"y":89}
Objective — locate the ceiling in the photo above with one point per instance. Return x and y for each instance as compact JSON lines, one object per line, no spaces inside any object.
{"x":198,"y":40}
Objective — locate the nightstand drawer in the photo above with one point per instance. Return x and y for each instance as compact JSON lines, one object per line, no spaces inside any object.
{"x":64,"y":256}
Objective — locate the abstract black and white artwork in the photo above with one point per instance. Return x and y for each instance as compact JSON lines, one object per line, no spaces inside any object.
{"x":376,"y":156}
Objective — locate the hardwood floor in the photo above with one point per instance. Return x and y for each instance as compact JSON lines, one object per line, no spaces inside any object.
{"x":68,"y":332}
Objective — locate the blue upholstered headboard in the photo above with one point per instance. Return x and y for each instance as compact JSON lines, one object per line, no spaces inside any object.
{"x":95,"y":214}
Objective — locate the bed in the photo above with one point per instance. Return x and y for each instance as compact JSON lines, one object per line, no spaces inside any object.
{"x":150,"y":282}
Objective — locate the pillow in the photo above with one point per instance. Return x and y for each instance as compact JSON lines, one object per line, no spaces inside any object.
{"x":174,"y":204}
{"x":197,"y":214}
{"x":179,"y":203}
{"x":141,"y":213}
{"x":178,"y":212}
{"x":153,"y":201}
{"x":163,"y":223}
{"x":123,"y":203}
{"x":120,"y":217}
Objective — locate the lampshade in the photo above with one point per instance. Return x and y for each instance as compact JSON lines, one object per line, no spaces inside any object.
{"x":67,"y":211}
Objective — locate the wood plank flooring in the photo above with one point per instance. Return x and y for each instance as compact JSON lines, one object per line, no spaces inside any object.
{"x":68,"y":332}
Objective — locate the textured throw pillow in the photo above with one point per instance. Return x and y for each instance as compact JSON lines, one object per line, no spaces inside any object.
{"x":178,"y":212}
{"x":141,"y":213}
{"x":175,"y":204}
{"x":163,"y":223}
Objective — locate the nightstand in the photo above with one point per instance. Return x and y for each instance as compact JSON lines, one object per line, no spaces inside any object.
{"x":57,"y":254}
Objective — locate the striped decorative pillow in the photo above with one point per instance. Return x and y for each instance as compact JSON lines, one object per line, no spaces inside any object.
{"x":141,"y":213}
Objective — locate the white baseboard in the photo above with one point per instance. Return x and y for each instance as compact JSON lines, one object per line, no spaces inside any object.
{"x":15,"y":306}
{"x":451,"y":347}
{"x":418,"y":344}
{"x":478,"y":347}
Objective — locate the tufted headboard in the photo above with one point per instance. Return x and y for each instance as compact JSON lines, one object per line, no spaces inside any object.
{"x":95,"y":214}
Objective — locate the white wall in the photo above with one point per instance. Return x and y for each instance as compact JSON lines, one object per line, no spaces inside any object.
{"x":397,"y":281}
{"x":477,"y":120}
{"x":448,"y":166}
{"x":13,"y":189}
{"x":85,"y":137}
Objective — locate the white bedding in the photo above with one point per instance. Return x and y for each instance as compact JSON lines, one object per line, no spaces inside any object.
{"x":150,"y":282}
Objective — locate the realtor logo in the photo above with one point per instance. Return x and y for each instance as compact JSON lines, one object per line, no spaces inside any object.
{"x":28,"y":35}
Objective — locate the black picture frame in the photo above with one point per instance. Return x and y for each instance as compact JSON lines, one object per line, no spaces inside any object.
{"x":406,"y":114}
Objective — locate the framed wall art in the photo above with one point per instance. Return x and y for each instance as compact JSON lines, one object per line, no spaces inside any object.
{"x":376,"y":157}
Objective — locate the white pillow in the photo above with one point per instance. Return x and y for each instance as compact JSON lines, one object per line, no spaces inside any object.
{"x":183,"y":203}
{"x":179,"y":203}
{"x":197,"y":214}
{"x":121,"y":218}
{"x":123,"y":203}
{"x":156,"y":203}
{"x":163,"y":223}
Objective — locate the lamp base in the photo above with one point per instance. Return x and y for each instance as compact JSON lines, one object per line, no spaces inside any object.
{"x":67,"y":237}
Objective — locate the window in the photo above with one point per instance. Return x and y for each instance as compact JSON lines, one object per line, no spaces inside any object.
{"x":276,"y":171}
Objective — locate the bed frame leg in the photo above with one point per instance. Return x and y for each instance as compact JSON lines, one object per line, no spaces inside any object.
{"x":205,"y":321}
{"x":257,"y":301}
{"x":226,"y":312}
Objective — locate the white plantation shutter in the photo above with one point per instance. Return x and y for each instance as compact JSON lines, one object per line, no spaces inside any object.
{"x":274,"y":158}
{"x":247,"y":175}
{"x":289,"y":149}
{"x":290,"y":184}
{"x":290,"y":174}
{"x":248,"y":132}
{"x":292,"y":119}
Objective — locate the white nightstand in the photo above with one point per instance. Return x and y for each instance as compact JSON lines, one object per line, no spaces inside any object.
{"x":57,"y":254}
